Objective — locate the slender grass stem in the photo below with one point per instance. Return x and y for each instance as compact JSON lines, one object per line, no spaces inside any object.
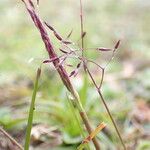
{"x":112,"y":119}
{"x":108,"y":111}
{"x":82,"y":33}
{"x":81,"y":26}
{"x":83,"y":114}
{"x":31,"y":111}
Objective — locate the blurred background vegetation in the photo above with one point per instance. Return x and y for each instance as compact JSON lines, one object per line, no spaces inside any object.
{"x":127,"y":80}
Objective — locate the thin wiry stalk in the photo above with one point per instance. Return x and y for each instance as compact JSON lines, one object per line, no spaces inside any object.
{"x":62,"y":72}
{"x":11,"y":138}
{"x":108,"y":111}
{"x":81,"y":26}
{"x":112,"y":119}
{"x":97,"y":146}
{"x":31,"y":112}
{"x":82,"y":33}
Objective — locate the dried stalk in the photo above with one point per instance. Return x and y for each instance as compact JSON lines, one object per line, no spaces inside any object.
{"x":11,"y":138}
{"x":62,"y":72}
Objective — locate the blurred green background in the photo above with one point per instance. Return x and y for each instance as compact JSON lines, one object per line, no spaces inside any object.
{"x":127,"y":81}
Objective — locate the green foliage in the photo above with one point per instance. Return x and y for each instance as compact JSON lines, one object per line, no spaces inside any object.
{"x":18,"y":46}
{"x":144,"y":145}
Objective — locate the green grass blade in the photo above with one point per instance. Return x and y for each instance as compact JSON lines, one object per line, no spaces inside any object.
{"x":84,"y":90}
{"x":81,"y":146}
{"x":31,"y":111}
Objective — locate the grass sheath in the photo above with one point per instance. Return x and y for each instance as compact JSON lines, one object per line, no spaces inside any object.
{"x":31,"y":111}
{"x":60,"y":69}
{"x":78,"y":120}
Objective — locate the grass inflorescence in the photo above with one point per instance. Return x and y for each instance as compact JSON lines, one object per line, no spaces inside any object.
{"x":68,"y":51}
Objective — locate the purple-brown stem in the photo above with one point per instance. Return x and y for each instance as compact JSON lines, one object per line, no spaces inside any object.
{"x":81,"y":26}
{"x":83,"y":33}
